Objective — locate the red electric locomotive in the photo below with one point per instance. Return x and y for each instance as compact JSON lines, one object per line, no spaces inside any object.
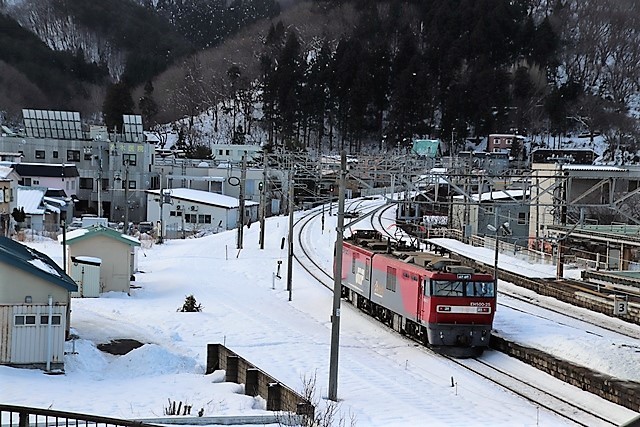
{"x":435,"y":300}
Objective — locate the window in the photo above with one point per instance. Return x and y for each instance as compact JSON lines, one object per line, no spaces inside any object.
{"x":480,"y":289}
{"x":73,"y":155}
{"x":39,"y":154}
{"x":129,"y":159}
{"x":86,"y":183}
{"x":55,"y":320}
{"x":391,"y":279}
{"x":522,"y":217}
{"x":55,"y":154}
{"x":26,"y":182}
{"x":132,"y":185}
{"x":105,"y":183}
{"x":367,"y":268}
{"x":87,"y":156}
{"x":353,"y":263}
{"x":447,"y":288}
{"x":24,"y":320}
{"x":204,"y":219}
{"x":190,"y":218}
{"x":36,"y":181}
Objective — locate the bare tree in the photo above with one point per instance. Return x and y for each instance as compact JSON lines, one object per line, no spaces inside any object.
{"x":602,"y":46}
{"x":327,"y":413}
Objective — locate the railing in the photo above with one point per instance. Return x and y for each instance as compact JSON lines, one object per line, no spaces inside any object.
{"x":22,"y":416}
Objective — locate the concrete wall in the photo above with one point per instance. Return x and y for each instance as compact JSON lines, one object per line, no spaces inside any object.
{"x":257,"y":383}
{"x":623,"y":393}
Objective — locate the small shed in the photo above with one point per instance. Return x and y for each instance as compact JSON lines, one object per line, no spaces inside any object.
{"x":34,"y":307}
{"x":85,"y":271}
{"x":111,"y":247}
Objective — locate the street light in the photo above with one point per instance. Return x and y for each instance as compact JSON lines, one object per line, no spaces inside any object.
{"x":496,"y":229}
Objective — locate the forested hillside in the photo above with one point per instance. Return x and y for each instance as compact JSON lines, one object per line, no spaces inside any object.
{"x":361,"y":74}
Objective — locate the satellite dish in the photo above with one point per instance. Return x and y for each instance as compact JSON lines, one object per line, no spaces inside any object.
{"x":233,"y":181}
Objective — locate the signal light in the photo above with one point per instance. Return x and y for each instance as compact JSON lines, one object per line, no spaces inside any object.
{"x":331,"y":188}
{"x":260,"y":186}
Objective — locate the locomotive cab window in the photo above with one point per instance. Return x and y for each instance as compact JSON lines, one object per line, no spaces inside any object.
{"x":367,"y":269}
{"x":480,"y":289}
{"x":447,"y":288}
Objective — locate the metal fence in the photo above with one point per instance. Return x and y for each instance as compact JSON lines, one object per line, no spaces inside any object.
{"x":22,"y":416}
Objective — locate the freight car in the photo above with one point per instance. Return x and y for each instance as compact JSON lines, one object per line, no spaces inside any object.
{"x":432,"y":299}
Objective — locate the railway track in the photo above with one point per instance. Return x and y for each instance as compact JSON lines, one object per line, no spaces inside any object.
{"x":547,"y":399}
{"x":566,"y":286}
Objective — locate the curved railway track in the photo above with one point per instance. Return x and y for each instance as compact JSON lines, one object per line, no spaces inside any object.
{"x":546,"y":399}
{"x":620,"y":329}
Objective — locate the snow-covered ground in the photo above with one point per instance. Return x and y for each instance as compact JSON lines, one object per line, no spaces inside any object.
{"x":384,"y":380}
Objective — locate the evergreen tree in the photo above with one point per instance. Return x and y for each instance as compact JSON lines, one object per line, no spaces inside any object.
{"x":147,"y":105}
{"x":118,"y":101}
{"x":288,"y":82}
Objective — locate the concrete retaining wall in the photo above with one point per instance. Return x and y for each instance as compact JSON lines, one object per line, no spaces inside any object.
{"x":257,"y":383}
{"x":623,"y":393}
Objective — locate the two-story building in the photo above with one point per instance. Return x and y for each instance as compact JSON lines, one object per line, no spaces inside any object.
{"x":504,"y":142}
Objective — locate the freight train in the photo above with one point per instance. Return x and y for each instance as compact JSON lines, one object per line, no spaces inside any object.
{"x":432,"y":299}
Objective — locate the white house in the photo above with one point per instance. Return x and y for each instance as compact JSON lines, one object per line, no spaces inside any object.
{"x":41,"y":215}
{"x":186,"y":209}
{"x":49,"y":175}
{"x":34,"y":307}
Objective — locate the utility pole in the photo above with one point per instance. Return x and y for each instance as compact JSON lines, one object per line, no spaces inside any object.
{"x":243,"y":178}
{"x":496,"y":270}
{"x":263,"y":198}
{"x":126,"y":195}
{"x":290,"y":257}
{"x":563,"y":222}
{"x":99,"y":186}
{"x":337,"y":284}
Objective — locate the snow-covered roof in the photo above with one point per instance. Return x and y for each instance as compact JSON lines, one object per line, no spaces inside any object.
{"x":495,"y":195}
{"x":597,"y":168}
{"x":5,"y":171}
{"x":87,"y":259}
{"x":54,"y":201}
{"x":82,"y":233}
{"x":30,"y":198}
{"x":204,"y":197}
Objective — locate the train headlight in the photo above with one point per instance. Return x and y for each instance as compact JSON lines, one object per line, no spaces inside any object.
{"x":484,"y":333}
{"x":441,"y":335}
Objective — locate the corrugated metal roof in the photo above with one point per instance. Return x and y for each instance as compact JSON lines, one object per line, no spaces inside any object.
{"x":30,"y":198}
